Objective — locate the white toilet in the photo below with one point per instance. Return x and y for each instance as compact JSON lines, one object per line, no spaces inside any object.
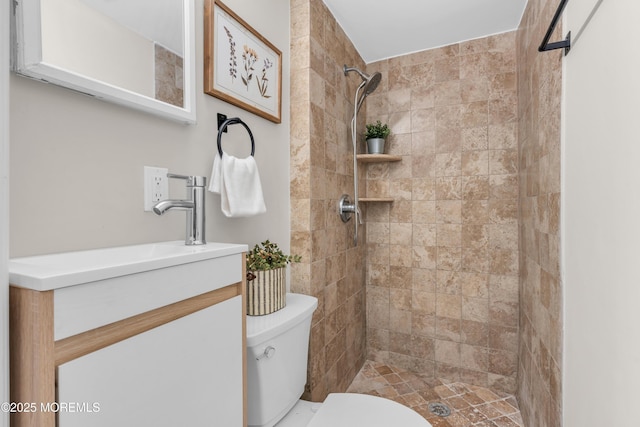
{"x":277,"y":347}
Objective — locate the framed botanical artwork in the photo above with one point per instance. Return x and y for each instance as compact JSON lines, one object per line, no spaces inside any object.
{"x":241,"y":67}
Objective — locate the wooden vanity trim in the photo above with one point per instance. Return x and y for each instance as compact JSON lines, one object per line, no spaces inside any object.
{"x":245,"y":402}
{"x":87,"y":342}
{"x":32,"y":369}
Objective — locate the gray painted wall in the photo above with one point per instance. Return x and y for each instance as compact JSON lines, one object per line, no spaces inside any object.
{"x":77,"y":162}
{"x":601,"y":201}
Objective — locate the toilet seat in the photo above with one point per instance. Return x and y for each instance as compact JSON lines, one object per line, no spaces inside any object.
{"x":351,"y":409}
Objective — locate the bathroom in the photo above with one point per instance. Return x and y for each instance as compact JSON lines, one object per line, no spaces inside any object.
{"x":556,"y":312}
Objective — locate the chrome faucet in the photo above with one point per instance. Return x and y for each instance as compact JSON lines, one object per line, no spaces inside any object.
{"x":194,"y":205}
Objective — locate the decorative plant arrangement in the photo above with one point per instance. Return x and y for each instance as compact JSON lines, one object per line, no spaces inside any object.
{"x":267,"y":256}
{"x":377,"y":130}
{"x":266,"y":278}
{"x":249,"y":58}
{"x":376,"y":135}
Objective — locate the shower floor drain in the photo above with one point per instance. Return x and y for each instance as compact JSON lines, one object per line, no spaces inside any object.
{"x":440,"y":409}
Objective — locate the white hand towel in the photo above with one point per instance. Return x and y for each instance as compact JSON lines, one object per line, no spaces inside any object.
{"x":238,"y":183}
{"x":215,"y":184}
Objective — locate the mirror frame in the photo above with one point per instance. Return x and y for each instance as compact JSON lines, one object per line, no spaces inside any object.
{"x":27,"y":61}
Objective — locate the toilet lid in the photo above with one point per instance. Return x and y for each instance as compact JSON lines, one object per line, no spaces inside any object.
{"x":351,"y":409}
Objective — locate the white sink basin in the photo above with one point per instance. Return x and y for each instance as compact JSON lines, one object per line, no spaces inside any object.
{"x":54,"y":271}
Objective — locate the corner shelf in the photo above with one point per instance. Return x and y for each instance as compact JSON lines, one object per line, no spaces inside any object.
{"x":376,"y":199}
{"x":377,"y":158}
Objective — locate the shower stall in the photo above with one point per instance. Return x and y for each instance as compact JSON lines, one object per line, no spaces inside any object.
{"x":435,"y":289}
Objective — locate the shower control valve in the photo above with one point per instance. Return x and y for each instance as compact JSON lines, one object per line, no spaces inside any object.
{"x":346,"y":208}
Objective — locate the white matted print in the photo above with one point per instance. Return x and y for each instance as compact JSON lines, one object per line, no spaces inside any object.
{"x":241,"y":67}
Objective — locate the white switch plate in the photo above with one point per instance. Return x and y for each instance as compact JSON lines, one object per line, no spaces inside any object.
{"x":156,"y":186}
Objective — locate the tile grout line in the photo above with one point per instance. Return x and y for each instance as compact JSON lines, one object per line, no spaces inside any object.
{"x":470,"y":405}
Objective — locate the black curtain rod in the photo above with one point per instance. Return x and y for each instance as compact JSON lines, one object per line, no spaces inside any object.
{"x":566,"y":43}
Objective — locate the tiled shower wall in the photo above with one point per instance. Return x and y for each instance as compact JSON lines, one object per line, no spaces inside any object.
{"x":442,"y":259}
{"x":169,"y":80}
{"x":539,"y":95}
{"x":333,"y":268}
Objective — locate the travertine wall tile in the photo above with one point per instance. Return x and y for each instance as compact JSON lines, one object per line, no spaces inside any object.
{"x":453,"y":116}
{"x":540,"y":315}
{"x":333,"y":268}
{"x":169,"y":85}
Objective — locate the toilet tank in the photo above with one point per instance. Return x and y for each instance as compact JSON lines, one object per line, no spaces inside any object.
{"x":277,"y":349}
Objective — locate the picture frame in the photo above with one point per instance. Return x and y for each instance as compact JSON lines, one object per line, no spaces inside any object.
{"x":241,"y":67}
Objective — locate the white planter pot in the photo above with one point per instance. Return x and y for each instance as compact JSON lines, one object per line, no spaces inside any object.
{"x":266,"y":292}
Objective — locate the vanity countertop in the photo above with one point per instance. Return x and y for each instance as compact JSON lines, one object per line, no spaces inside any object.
{"x":53,"y":271}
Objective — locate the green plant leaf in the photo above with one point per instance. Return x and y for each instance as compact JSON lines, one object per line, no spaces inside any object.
{"x":377,"y":130}
{"x":268,"y":256}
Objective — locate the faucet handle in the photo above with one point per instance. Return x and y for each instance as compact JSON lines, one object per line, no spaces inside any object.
{"x":192,"y":180}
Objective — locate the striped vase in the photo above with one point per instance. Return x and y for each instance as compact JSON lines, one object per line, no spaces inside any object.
{"x":266,"y":292}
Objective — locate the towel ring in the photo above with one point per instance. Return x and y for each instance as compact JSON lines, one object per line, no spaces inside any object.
{"x":233,"y":121}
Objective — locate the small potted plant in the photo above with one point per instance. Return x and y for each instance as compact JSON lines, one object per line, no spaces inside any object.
{"x":266,"y":278}
{"x":375,"y":135}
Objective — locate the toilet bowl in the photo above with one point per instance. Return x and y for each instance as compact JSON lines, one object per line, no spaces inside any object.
{"x":277,"y":350}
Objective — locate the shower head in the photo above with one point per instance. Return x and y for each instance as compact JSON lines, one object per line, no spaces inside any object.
{"x":371,"y":82}
{"x":368,"y":85}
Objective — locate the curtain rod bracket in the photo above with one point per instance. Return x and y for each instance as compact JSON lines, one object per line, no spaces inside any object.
{"x":563,"y":44}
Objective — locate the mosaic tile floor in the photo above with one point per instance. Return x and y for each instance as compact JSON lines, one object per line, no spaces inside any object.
{"x":470,"y":405}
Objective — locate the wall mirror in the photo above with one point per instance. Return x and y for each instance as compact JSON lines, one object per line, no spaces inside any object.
{"x":138,"y":53}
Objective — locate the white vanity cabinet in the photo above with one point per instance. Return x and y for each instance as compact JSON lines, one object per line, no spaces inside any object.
{"x":161,"y":345}
{"x":178,"y":374}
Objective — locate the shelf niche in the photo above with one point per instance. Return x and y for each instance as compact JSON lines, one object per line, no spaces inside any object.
{"x":377,"y":158}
